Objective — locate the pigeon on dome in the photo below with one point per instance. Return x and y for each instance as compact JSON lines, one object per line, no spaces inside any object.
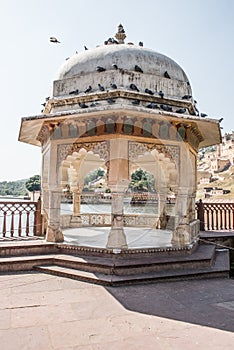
{"x":53,"y":39}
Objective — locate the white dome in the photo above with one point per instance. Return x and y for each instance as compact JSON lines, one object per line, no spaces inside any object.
{"x":159,"y":71}
{"x":125,"y":57}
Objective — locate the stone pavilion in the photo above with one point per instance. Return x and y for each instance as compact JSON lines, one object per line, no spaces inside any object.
{"x":121,"y":107}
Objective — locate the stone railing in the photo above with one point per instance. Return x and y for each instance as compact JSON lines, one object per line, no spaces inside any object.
{"x":20,"y":219}
{"x":215,"y":216}
{"x":130,"y":220}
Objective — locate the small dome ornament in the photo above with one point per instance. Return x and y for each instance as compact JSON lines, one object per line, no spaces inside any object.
{"x":120,"y":35}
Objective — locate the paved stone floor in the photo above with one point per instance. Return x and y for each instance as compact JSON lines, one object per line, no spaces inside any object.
{"x":46,"y":312}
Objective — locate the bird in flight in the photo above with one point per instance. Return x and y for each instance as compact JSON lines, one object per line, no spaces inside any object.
{"x":54,"y":40}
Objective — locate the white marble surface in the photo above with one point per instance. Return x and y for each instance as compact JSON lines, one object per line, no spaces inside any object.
{"x":136,"y":237}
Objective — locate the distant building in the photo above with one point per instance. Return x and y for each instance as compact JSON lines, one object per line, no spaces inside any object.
{"x":203,"y":177}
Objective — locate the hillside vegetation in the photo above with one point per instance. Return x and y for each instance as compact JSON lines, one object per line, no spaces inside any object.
{"x":13,"y":188}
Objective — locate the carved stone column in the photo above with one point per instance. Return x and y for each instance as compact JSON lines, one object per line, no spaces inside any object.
{"x":181,"y":234}
{"x":162,"y":221}
{"x":118,"y":183}
{"x":54,"y":233}
{"x":76,"y":218}
{"x":117,"y":237}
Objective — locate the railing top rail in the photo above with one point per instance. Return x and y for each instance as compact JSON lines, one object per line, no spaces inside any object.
{"x":17,"y":202}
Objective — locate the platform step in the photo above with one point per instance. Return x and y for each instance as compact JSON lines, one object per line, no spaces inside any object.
{"x":219,"y":269}
{"x":131,"y":265}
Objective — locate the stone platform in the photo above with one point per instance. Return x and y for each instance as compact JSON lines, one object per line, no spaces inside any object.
{"x":106,"y":267}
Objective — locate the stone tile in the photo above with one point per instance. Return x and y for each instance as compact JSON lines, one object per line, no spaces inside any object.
{"x":62,"y":314}
{"x":42,"y":315}
{"x":29,"y":338}
{"x":5,"y":318}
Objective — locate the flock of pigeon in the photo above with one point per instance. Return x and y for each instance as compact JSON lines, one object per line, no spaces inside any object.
{"x":132,"y":86}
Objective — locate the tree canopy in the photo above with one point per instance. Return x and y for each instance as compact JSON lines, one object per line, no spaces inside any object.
{"x":142,"y":181}
{"x":33,"y":183}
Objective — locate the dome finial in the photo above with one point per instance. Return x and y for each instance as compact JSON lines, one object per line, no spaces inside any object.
{"x":120,"y":35}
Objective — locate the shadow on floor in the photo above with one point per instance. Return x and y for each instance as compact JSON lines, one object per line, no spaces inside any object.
{"x":207,"y":302}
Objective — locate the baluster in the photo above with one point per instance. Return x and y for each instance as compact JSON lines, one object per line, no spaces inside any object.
{"x":4,"y":224}
{"x":229,"y":218}
{"x":232,"y":209}
{"x":27,"y":223}
{"x":12,"y":223}
{"x":35,"y":223}
{"x":207,"y":219}
{"x":20,"y":224}
{"x":221,"y":218}
{"x":216,"y":219}
{"x":225,"y":218}
{"x":212,"y":219}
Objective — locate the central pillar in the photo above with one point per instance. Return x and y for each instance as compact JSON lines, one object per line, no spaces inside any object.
{"x":117,"y":238}
{"x":118,"y":183}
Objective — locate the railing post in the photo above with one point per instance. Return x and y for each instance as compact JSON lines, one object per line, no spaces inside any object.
{"x":200,"y":206}
{"x":37,"y":230}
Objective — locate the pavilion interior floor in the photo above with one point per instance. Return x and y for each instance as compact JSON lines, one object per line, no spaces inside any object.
{"x":136,"y":237}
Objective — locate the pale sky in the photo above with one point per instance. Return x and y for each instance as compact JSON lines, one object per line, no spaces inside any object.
{"x":197,"y":34}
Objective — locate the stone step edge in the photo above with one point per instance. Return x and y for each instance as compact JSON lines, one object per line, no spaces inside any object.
{"x":115,"y":280}
{"x":54,"y":258}
{"x":119,"y":262}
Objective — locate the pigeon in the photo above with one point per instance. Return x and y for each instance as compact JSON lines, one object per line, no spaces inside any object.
{"x":110,"y":101}
{"x":54,"y":40}
{"x":136,"y":102}
{"x":166,"y":75}
{"x":152,"y":105}
{"x":161,"y":94}
{"x":101,"y":88}
{"x":115,"y":66}
{"x":47,"y":98}
{"x":85,"y":47}
{"x":186,"y":97}
{"x":133,"y":87}
{"x":203,"y":115}
{"x":94,"y":104}
{"x":114,"y":86}
{"x":110,"y":41}
{"x":220,"y":120}
{"x":138,"y":69}
{"x":166,"y":108}
{"x":88,"y":89}
{"x":83,"y":105}
{"x":43,"y":104}
{"x":100,"y":69}
{"x":150,"y":92}
{"x":141,"y":43}
{"x":181,"y":110}
{"x":74,"y":92}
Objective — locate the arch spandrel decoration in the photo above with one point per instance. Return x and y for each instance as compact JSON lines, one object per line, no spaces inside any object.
{"x":135,"y":149}
{"x":100,"y":148}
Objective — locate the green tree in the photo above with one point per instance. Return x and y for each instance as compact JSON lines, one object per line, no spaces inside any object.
{"x":33,"y":184}
{"x":94,"y":175}
{"x":142,"y":181}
